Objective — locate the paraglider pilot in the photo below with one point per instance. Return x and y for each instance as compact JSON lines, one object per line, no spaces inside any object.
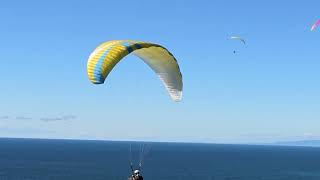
{"x":136,"y":175}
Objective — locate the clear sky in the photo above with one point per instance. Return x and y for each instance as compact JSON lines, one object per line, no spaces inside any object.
{"x":268,"y":90}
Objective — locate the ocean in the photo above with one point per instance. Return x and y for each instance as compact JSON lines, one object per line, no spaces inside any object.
{"x":39,"y":159}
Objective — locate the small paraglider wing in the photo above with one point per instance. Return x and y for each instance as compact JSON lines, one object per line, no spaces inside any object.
{"x":315,"y":25}
{"x":238,"y":38}
{"x":104,"y":58}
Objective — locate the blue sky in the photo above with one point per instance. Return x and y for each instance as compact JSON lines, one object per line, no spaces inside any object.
{"x":267,"y":91}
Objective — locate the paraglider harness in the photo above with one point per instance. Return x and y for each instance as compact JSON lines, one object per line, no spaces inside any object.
{"x":135,"y":174}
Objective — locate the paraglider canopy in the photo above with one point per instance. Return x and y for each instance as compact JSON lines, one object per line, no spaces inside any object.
{"x":315,"y":25}
{"x":104,"y":58}
{"x":238,"y":38}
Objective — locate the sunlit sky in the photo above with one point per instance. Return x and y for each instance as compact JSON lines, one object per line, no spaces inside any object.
{"x":269,"y":90}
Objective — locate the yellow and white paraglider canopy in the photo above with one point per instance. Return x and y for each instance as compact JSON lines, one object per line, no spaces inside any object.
{"x":104,"y":58}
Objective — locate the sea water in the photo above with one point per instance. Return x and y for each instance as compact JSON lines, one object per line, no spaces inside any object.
{"x":39,"y":159}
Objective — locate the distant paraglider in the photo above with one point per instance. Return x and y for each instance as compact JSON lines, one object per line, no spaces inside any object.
{"x":315,"y":25}
{"x":104,"y":58}
{"x":239,"y":39}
